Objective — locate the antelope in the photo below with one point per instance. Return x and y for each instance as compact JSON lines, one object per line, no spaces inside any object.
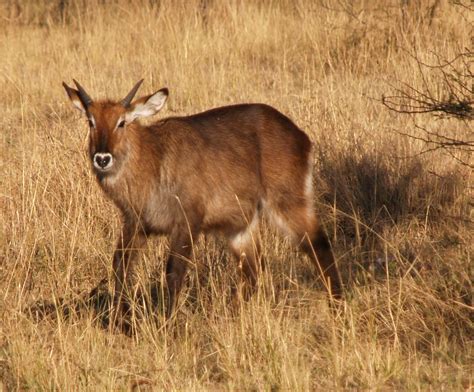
{"x":216,"y":171}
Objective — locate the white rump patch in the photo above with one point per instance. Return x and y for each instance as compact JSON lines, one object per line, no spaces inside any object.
{"x":309,"y":194}
{"x":308,"y":184}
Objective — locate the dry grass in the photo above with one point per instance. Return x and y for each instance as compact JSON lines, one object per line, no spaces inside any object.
{"x":400,"y":222}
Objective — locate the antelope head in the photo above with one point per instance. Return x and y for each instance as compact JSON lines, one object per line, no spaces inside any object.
{"x":108,"y":122}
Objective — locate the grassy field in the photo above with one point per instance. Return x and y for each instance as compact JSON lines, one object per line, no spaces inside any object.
{"x":400,"y":222}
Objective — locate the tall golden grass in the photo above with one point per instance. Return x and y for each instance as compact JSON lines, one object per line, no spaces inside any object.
{"x":400,"y":222}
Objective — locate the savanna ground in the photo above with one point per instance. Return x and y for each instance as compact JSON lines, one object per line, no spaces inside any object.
{"x":399,"y":218}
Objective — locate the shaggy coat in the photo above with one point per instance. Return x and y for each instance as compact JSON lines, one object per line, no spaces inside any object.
{"x":216,"y":171}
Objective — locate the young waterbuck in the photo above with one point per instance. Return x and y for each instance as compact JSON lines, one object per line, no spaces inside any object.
{"x":216,"y":171}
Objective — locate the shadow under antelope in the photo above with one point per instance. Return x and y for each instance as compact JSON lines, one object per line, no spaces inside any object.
{"x":216,"y":171}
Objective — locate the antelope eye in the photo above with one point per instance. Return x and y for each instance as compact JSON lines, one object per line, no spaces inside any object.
{"x":121,"y":124}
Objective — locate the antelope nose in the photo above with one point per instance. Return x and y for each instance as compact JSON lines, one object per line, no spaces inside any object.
{"x":102,"y":160}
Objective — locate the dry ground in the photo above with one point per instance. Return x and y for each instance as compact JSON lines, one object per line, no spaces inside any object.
{"x":400,"y":222}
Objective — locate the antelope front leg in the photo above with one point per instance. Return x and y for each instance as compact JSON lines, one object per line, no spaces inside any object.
{"x":130,"y":241}
{"x":176,"y":266}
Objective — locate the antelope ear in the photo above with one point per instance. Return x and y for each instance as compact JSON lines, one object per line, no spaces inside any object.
{"x":73,"y":95}
{"x":147,"y":106}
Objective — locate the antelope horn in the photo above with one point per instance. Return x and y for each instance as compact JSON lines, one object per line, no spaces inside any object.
{"x":128,"y":99}
{"x":83,"y":96}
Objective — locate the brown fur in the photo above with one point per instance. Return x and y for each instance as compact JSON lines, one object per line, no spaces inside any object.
{"x":216,"y":171}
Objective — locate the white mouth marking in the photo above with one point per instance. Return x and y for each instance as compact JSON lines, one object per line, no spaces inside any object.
{"x":101,"y":155}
